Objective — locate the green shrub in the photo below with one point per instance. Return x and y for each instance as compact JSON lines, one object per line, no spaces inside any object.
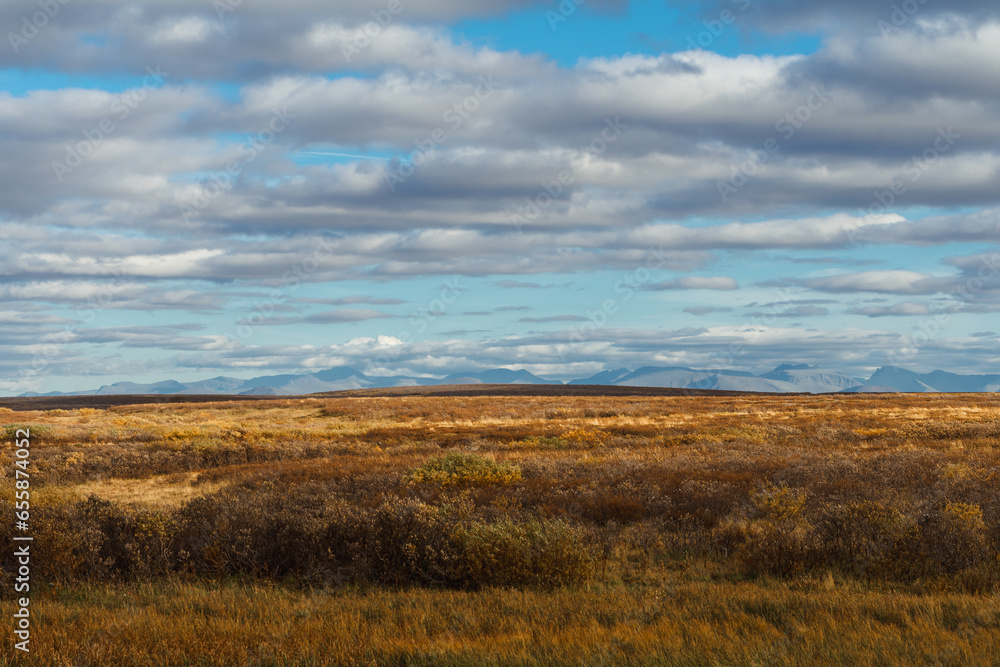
{"x":457,"y":468}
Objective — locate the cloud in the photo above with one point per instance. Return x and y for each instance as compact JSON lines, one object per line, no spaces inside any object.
{"x":339,"y":316}
{"x":145,"y":221}
{"x":956,"y":59}
{"x":696,"y":282}
{"x":513,"y":284}
{"x":797,"y":311}
{"x":352,"y":300}
{"x":905,"y":308}
{"x":707,"y":310}
{"x":854,"y":15}
{"x":890,"y":282}
{"x":554,"y":318}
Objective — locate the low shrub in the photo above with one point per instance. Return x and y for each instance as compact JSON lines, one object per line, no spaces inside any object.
{"x":505,"y":553}
{"x":778,"y":503}
{"x":867,"y":539}
{"x":782,"y":548}
{"x":458,"y":468}
{"x":583,"y":438}
{"x":953,"y":538}
{"x":303,"y":533}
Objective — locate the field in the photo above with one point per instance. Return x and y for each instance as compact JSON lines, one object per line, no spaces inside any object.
{"x":511,"y":529}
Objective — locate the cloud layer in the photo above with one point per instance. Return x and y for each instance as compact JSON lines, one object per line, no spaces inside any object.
{"x":170,"y":158}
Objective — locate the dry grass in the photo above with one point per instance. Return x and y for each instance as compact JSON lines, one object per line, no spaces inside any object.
{"x":688,"y":530}
{"x":670,"y":621}
{"x":158,"y":491}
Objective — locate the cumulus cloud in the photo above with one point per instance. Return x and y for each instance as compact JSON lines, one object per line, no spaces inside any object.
{"x":204,"y":186}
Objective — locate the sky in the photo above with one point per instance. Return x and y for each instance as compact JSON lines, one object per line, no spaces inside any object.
{"x":195,"y":188}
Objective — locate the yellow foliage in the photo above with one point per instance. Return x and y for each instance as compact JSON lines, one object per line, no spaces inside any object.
{"x":778,"y":502}
{"x":583,"y":438}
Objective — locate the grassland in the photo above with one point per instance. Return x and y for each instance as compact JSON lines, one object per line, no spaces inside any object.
{"x":514,"y":529}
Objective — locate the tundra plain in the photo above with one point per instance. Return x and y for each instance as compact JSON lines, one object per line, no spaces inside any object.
{"x":512,"y":530}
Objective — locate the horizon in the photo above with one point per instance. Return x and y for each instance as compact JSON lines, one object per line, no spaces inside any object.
{"x":790,"y":379}
{"x":420,"y":189}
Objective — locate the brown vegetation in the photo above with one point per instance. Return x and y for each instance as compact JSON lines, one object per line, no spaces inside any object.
{"x":867,"y":494}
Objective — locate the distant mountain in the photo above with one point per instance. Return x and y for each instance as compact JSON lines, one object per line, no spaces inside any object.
{"x":496,"y":376}
{"x":676,"y":377}
{"x":259,"y":391}
{"x":604,"y":377}
{"x":938,"y":381}
{"x":871,"y":389}
{"x":812,"y":379}
{"x":741,"y":383}
{"x":786,"y":378}
{"x":166,"y":387}
{"x":899,"y":379}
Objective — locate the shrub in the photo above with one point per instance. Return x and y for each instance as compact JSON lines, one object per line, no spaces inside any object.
{"x":953,"y":538}
{"x":398,"y":542}
{"x":867,"y":538}
{"x":583,"y":438}
{"x":457,"y":468}
{"x":542,"y":442}
{"x":781,"y":548}
{"x":506,"y":553}
{"x":255,"y":532}
{"x":778,"y":502}
{"x":98,"y":540}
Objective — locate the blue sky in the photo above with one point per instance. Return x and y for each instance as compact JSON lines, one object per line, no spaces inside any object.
{"x":565,"y":188}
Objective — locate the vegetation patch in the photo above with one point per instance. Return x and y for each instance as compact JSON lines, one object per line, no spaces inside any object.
{"x":457,"y":468}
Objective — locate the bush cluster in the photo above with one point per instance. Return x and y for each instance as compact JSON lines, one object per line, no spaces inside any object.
{"x":458,"y":468}
{"x":305,"y":534}
{"x":339,"y":490}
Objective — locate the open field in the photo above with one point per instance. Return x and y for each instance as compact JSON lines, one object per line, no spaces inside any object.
{"x":514,"y":529}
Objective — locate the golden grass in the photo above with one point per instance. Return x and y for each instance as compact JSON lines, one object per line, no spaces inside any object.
{"x":659,"y":481}
{"x":157,"y":491}
{"x":672,"y":621}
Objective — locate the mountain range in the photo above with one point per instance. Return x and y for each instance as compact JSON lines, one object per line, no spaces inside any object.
{"x":786,"y":378}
